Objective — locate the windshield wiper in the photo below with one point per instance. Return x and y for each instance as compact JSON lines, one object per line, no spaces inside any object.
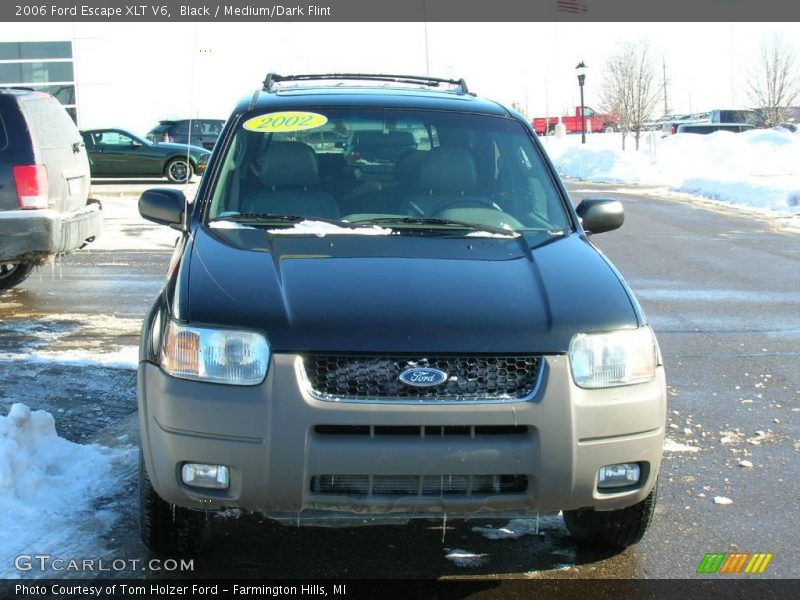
{"x":439,"y":223}
{"x":272,"y":218}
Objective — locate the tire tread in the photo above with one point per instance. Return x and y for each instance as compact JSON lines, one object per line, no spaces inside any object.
{"x":612,"y":529}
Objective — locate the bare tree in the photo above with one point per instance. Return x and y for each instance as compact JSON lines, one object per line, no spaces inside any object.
{"x":774,"y":82}
{"x":629,"y":88}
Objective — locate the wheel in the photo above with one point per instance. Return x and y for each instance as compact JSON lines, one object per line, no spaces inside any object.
{"x":165,"y":528}
{"x":178,"y":170}
{"x":609,"y":128}
{"x":613,"y":529}
{"x":12,"y":274}
{"x":551,"y":129}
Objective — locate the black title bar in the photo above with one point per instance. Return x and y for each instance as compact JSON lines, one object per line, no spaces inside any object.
{"x":400,"y":10}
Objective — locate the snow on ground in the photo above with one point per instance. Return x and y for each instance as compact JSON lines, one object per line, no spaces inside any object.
{"x":517,"y":528}
{"x":756,"y":169}
{"x":673,"y":446}
{"x":465,"y":558}
{"x":123,"y":226}
{"x":49,"y":488}
{"x":124,"y":358}
{"x":73,"y":339}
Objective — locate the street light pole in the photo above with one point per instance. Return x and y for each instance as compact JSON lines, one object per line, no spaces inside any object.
{"x":581,"y":69}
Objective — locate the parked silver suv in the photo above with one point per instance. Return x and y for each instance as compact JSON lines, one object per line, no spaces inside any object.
{"x":44,"y":185}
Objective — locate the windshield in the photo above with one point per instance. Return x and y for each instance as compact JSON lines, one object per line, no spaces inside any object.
{"x":402,"y":169}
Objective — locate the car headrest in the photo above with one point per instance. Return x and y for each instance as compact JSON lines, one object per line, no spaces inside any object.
{"x":290,"y":164}
{"x":448,"y":169}
{"x":406,"y":167}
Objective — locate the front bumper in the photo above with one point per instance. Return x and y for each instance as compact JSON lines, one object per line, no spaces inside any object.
{"x":269,"y":435}
{"x":36,"y":234}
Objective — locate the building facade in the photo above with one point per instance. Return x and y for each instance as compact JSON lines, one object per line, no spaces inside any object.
{"x":43,"y":66}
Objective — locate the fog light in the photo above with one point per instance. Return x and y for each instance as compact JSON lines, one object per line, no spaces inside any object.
{"x":617,"y":476}
{"x":205,"y":476}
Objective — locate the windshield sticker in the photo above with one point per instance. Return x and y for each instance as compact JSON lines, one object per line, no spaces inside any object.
{"x":283,"y":122}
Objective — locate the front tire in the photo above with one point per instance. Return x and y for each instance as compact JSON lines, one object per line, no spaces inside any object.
{"x":178,"y":170}
{"x":165,"y":528}
{"x":609,"y":128}
{"x":12,"y":274}
{"x":613,"y":529}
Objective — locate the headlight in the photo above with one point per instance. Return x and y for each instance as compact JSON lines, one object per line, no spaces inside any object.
{"x":624,"y":357}
{"x":215,"y":355}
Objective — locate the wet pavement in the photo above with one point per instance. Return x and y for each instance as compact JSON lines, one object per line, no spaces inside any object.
{"x":721,"y":290}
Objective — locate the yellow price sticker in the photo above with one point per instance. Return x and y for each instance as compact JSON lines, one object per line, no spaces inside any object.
{"x":284,"y":122}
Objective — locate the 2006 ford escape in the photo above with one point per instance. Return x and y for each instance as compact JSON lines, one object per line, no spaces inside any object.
{"x":387,"y":332}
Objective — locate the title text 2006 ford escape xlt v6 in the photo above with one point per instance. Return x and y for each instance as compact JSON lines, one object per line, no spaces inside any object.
{"x":369,"y":331}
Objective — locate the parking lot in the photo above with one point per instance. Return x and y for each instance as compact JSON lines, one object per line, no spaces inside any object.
{"x":720,"y":288}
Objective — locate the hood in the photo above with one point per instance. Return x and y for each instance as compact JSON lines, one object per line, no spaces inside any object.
{"x":397,"y":293}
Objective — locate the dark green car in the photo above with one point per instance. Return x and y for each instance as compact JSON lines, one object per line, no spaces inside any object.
{"x":120,"y":153}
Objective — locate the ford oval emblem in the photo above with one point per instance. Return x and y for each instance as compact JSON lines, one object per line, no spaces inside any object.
{"x":423,"y":377}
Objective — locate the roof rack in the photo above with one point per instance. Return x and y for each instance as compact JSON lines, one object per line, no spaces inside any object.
{"x":273,"y":78}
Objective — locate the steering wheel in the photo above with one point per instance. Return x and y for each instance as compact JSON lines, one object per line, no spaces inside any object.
{"x":463,"y":202}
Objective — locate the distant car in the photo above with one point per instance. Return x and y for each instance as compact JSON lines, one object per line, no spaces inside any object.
{"x":120,"y":153}
{"x":670,"y":126}
{"x":731,"y":116}
{"x":204,"y":132}
{"x":44,"y":185}
{"x":705,"y":128}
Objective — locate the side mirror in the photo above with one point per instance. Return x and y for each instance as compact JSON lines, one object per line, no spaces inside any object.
{"x":600,"y":214}
{"x":163,"y":206}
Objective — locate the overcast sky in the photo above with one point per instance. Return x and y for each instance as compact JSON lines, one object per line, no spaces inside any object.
{"x":133,"y":74}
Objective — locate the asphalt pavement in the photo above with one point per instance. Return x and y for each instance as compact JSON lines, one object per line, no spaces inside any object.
{"x":720,"y":288}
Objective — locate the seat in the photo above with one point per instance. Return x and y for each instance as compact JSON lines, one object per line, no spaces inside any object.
{"x":447,"y":177}
{"x":289,"y":177}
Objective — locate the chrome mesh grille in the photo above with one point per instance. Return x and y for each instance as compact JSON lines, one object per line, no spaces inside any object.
{"x":377,"y":377}
{"x":418,"y":485}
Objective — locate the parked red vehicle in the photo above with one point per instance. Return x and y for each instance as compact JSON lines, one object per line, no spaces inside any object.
{"x":595,"y":122}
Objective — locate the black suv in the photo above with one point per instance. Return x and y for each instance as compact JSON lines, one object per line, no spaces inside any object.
{"x":44,"y":184}
{"x":204,"y":132}
{"x":437,"y":336}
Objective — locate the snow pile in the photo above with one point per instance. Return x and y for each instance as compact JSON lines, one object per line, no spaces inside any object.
{"x":228,"y":225}
{"x":757,"y":169}
{"x":489,"y":234}
{"x":48,"y":486}
{"x":322,"y":228}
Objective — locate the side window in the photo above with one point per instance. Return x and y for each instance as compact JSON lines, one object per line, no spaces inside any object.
{"x":50,"y":124}
{"x":205,"y":128}
{"x":588,"y":112}
{"x":113,"y":138}
{"x":181,"y":128}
